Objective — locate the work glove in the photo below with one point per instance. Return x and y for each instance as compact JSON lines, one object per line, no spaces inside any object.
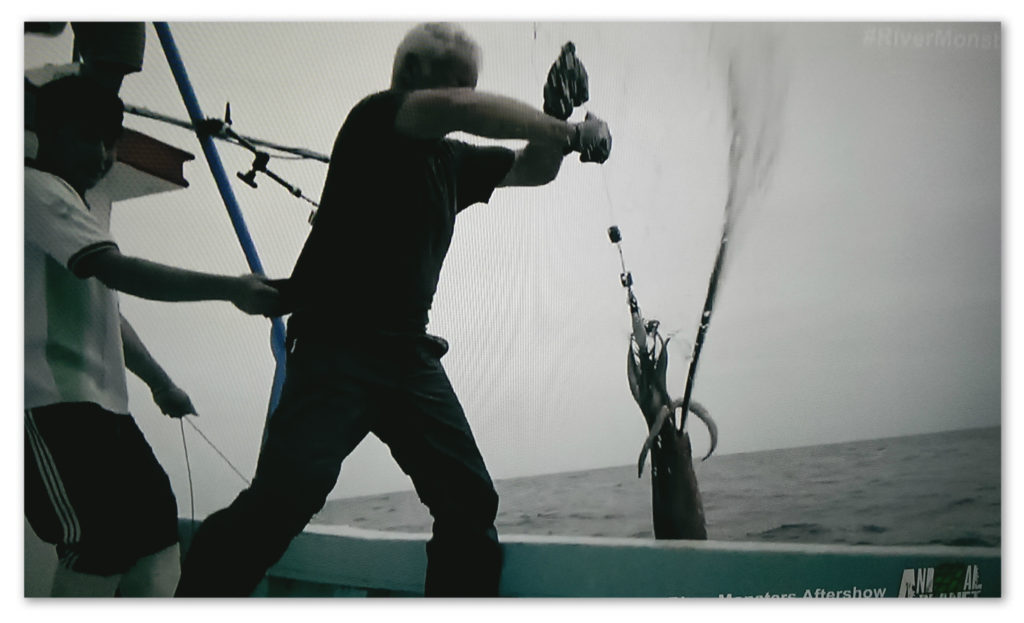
{"x":592,"y":139}
{"x":567,"y":85}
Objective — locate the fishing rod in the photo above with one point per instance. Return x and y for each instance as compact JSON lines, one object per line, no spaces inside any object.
{"x":221,"y":129}
{"x":259,"y":164}
{"x":300,"y":152}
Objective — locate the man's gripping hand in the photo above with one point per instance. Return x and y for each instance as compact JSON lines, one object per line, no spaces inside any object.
{"x":173,"y":401}
{"x":567,"y":85}
{"x":255,"y":295}
{"x":592,"y":139}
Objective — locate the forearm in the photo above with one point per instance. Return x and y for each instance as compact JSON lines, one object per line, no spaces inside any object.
{"x":496,"y":116}
{"x":535,"y":165}
{"x":436,"y":112}
{"x":138,"y":359}
{"x":149,"y":280}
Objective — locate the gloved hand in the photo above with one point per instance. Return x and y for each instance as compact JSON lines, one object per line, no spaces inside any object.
{"x":592,"y":139}
{"x":567,"y":85}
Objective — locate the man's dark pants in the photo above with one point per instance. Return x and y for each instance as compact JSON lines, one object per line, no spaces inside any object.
{"x":395,"y":388}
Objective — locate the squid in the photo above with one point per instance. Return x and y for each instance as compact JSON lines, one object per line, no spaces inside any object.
{"x":678,"y":509}
{"x":647,"y":382}
{"x":677,"y":505}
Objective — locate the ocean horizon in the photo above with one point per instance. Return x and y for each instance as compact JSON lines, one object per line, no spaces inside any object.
{"x":935,"y":488}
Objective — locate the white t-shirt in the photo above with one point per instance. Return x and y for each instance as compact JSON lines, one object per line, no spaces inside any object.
{"x":73,"y":348}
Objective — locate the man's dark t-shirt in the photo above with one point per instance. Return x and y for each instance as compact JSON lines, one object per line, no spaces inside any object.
{"x":386,"y":218}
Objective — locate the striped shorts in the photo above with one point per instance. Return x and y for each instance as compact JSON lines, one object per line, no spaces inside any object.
{"x":94,"y":488}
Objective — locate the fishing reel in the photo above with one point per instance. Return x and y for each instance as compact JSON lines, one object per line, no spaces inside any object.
{"x":222,"y":128}
{"x":259,"y":163}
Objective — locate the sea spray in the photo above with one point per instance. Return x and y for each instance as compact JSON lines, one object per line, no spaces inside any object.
{"x":755,"y":94}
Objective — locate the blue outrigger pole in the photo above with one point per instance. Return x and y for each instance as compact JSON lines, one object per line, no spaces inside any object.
{"x":277,"y":333}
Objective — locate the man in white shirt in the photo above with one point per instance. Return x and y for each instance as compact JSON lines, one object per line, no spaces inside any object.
{"x":92,"y":484}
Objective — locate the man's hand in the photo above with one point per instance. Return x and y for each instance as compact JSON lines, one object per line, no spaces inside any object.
{"x":592,"y":139}
{"x":173,"y":401}
{"x":255,"y":295}
{"x":568,"y":86}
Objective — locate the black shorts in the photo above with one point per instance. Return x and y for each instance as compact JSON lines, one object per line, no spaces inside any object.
{"x":94,"y":488}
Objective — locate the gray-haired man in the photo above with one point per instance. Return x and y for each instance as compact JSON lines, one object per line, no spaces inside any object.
{"x":360,"y":361}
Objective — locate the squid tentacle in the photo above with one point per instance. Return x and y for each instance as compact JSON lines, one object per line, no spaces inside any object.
{"x":704,"y":415}
{"x":659,"y":421}
{"x":695,"y":408}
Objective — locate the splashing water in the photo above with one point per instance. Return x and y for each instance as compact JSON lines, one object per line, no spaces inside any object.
{"x":755,"y":99}
{"x":754,"y":105}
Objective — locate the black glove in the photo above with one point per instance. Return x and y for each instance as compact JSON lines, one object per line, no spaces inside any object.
{"x":567,"y":85}
{"x":592,"y":139}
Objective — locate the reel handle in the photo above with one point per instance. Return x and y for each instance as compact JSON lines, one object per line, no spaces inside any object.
{"x":249,"y":178}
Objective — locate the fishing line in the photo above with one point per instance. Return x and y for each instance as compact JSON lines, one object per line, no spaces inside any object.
{"x":217,"y":450}
{"x":188,"y":466}
{"x":188,"y":469}
{"x":608,"y":200}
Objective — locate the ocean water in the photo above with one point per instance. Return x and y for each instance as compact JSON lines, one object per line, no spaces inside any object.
{"x":941,"y":488}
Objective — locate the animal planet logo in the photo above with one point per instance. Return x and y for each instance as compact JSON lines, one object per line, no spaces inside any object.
{"x":946,"y":580}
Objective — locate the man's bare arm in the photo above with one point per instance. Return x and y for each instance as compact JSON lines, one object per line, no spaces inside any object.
{"x":171,"y":399}
{"x":434,"y":113}
{"x":535,"y":165}
{"x":158,"y":282}
{"x":138,"y":359}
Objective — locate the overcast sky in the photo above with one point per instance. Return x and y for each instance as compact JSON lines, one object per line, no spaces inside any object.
{"x":861,"y":298}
